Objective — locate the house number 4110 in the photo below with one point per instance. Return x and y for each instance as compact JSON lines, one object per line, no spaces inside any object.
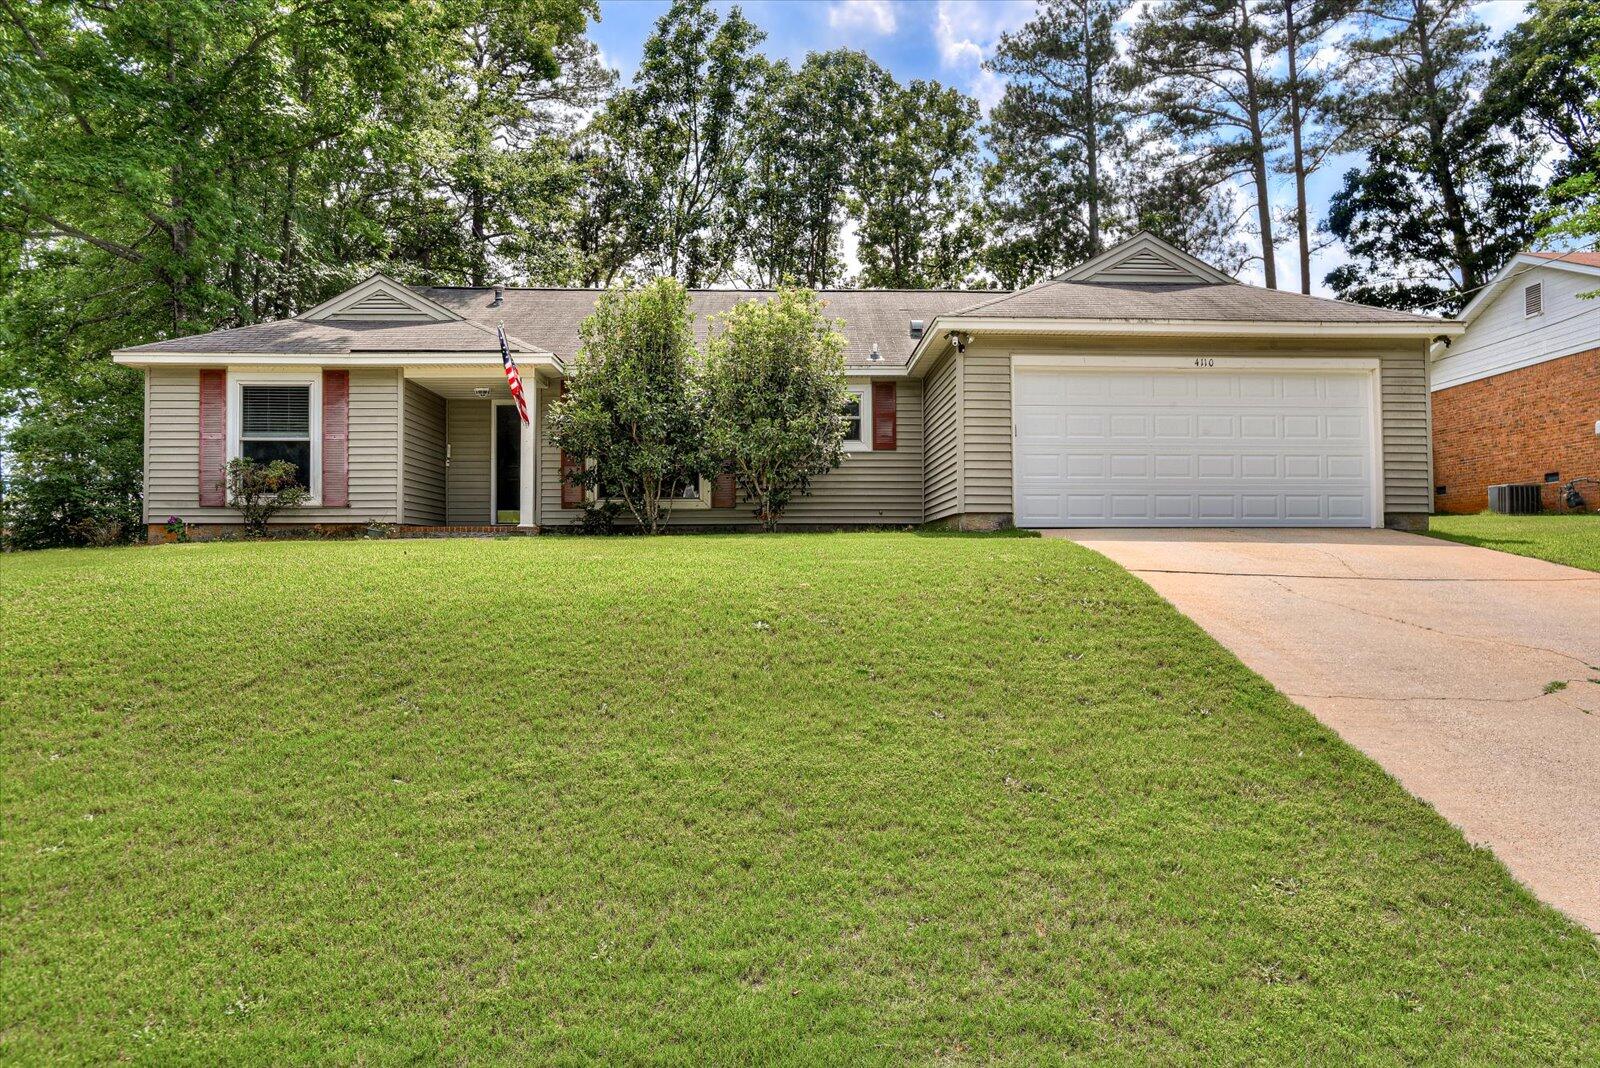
{"x":1204,"y":361}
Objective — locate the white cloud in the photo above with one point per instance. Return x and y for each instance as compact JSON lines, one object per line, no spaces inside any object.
{"x":966,"y":32}
{"x":874,"y":16}
{"x":1500,"y":15}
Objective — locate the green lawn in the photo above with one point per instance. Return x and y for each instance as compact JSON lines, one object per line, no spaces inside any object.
{"x":1564,"y":539}
{"x":842,"y":799}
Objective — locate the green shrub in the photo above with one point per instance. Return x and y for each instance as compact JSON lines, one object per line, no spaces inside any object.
{"x":632,"y":408}
{"x":775,"y":398}
{"x":260,"y":491}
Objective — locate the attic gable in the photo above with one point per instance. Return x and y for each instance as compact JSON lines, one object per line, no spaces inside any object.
{"x":1146,"y":259}
{"x":380,"y":299}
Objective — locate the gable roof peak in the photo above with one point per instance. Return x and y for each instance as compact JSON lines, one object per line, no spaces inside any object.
{"x":379,"y":298}
{"x":1145,"y":258}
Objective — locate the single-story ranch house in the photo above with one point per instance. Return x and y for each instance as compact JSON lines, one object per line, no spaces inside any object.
{"x":1142,"y":388}
{"x":1517,"y":397}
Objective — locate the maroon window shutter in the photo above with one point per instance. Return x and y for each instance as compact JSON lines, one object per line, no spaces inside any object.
{"x":883,"y":415}
{"x":571,"y":470}
{"x":725,"y":490}
{"x":336,"y":439}
{"x":213,"y":439}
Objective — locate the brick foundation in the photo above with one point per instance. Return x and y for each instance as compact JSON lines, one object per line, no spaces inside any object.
{"x":973,"y":522}
{"x":157,"y":533}
{"x":1516,"y":427}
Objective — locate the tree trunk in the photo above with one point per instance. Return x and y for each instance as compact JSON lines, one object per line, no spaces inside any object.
{"x":1258,"y":148}
{"x":479,"y":244}
{"x":1296,"y":120}
{"x":1091,"y":140}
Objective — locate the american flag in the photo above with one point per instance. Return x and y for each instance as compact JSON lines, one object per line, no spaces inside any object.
{"x":513,"y":379}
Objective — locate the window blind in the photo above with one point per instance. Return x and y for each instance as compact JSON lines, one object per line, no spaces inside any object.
{"x":275,"y":411}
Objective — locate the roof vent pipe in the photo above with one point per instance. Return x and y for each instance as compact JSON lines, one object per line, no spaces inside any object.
{"x":499,"y":296}
{"x":916,"y":328}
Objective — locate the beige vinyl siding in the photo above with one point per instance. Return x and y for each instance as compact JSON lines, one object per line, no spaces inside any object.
{"x":986,"y":430}
{"x":1407,"y":414}
{"x":172,"y":470}
{"x":941,"y":484}
{"x":422,"y":477}
{"x":984,"y":401}
{"x":468,"y":478}
{"x":882,"y":486}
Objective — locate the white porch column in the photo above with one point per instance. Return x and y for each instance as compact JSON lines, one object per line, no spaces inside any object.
{"x":525,"y":467}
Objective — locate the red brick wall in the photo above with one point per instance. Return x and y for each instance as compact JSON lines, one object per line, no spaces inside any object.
{"x":1514,"y":427}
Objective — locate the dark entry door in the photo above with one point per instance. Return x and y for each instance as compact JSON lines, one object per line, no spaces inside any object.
{"x":507,"y":463}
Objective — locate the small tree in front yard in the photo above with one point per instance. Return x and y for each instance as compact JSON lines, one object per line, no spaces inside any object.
{"x":775,"y":394}
{"x":260,"y":491}
{"x":632,"y":408}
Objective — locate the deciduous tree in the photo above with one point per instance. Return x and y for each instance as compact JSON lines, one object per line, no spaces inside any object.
{"x":775,"y":395}
{"x":633,"y":409}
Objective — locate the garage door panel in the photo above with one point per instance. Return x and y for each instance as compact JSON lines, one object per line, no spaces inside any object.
{"x":1161,"y":448}
{"x":1345,"y":428}
{"x":1167,"y":465}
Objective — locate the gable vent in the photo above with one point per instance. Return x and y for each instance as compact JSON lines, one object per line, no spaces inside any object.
{"x":385,"y":306}
{"x":1533,"y":299}
{"x":1147,"y":266}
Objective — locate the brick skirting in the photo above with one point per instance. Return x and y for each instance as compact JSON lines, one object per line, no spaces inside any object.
{"x":1517,"y":427}
{"x":157,"y":533}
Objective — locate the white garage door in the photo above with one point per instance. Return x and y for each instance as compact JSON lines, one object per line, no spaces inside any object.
{"x":1210,"y":446}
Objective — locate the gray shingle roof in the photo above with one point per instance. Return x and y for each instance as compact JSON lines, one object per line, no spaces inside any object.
{"x":550,"y":318}
{"x":1189,"y":301}
{"x":335,"y":337}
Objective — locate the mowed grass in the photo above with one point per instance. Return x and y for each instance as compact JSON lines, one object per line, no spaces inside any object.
{"x":828,"y":799}
{"x":1572,"y":539}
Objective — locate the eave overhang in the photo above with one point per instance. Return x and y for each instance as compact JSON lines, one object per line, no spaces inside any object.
{"x":410,"y":357}
{"x":935,"y":340}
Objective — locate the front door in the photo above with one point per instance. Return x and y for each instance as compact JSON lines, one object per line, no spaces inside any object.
{"x":507,"y":463}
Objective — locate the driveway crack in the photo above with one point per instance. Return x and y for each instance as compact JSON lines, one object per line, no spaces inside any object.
{"x":1502,"y":642}
{"x":1401,"y":698}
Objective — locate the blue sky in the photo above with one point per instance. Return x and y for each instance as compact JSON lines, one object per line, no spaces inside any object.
{"x":946,"y":40}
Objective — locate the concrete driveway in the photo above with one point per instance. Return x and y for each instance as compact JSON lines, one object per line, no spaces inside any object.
{"x":1439,"y":661}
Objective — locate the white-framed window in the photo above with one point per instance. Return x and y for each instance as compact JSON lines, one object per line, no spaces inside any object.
{"x":1533,"y":300}
{"x":693,"y":495}
{"x":858,"y":431}
{"x":278,"y":416}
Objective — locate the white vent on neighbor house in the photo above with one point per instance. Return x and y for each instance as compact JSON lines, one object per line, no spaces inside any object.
{"x":1533,"y":299}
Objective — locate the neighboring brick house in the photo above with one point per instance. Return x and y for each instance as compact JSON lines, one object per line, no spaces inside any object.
{"x":1517,"y":398}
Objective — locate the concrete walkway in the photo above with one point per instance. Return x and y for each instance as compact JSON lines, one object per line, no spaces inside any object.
{"x":1439,"y":661}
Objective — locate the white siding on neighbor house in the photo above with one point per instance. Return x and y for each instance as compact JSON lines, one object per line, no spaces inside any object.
{"x":468,"y":478}
{"x":984,"y":397}
{"x":423,"y":459}
{"x":941,"y":465}
{"x":873,"y":487}
{"x":172,"y":446}
{"x":1501,"y":338}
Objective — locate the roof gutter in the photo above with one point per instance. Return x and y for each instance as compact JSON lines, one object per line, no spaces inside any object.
{"x":936,"y":338}
{"x":545,"y":360}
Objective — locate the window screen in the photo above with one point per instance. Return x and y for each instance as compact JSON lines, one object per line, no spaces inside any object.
{"x":275,"y":424}
{"x":852,"y":414}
